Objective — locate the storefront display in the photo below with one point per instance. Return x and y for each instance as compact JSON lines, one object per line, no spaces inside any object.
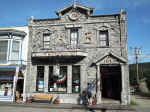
{"x":75,"y":79}
{"x":57,"y":83}
{"x":40,"y":85}
{"x":6,"y":85}
{"x":40,"y":78}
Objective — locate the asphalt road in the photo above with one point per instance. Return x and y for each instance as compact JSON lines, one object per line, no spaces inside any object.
{"x":143,"y":103}
{"x":29,"y":109}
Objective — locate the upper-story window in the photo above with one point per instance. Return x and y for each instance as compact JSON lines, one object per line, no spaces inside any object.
{"x":46,"y":40}
{"x":74,"y":37}
{"x":103,"y":38}
{"x":3,"y":50}
{"x":15,"y":50}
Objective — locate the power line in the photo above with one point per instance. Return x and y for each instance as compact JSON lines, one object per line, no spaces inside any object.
{"x":83,"y":2}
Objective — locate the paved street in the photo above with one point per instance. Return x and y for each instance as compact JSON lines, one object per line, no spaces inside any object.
{"x":30,"y":109}
{"x":34,"y":107}
{"x":143,"y":103}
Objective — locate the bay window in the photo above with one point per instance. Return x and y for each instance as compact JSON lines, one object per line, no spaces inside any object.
{"x":3,"y":51}
{"x":15,"y":50}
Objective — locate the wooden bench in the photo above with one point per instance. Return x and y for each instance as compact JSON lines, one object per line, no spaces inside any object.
{"x":42,"y":98}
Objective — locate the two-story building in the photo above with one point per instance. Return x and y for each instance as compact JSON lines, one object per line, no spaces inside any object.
{"x":78,"y":48}
{"x":13,"y":61}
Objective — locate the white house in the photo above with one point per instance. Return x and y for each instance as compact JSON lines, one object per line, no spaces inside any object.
{"x":13,"y":60}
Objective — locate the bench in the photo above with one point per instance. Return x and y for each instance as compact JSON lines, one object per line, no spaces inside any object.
{"x":42,"y":98}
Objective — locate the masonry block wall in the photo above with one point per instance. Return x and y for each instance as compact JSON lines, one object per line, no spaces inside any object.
{"x":88,"y":27}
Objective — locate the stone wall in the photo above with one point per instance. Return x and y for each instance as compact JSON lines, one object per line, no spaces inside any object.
{"x":88,"y":27}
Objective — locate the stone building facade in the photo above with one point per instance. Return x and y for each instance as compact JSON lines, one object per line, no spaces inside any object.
{"x":77,"y":48}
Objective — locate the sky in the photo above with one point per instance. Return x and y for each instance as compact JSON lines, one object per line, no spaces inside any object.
{"x":17,"y":12}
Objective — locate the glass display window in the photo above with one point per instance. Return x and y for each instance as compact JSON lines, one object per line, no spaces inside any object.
{"x":6,"y":85}
{"x":57,"y":79}
{"x":40,"y":79}
{"x":75,"y":79}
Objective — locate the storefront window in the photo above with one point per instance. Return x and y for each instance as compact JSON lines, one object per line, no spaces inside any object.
{"x":6,"y":85}
{"x":75,"y":79}
{"x":40,"y":78}
{"x":57,"y":78}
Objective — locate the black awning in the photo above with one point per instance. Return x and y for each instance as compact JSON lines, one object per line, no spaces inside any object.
{"x":56,"y":60}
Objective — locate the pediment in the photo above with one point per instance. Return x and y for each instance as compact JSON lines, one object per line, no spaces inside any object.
{"x":78,"y":8}
{"x":110,"y":58}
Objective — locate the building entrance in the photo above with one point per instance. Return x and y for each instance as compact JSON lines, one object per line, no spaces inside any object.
{"x":111,"y":82}
{"x":19,"y":90}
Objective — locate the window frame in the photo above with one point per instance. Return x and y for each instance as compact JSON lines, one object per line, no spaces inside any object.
{"x":40,"y":79}
{"x":15,"y":51}
{"x":47,"y":41}
{"x":57,"y":89}
{"x":7,"y":50}
{"x":79,"y":78}
{"x":74,"y":30}
{"x":106,"y":40}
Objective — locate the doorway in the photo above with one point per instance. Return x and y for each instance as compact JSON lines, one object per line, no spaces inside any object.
{"x":111,"y":82}
{"x":19,"y":90}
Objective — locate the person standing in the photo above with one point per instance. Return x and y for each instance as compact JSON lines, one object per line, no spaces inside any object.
{"x":89,"y":93}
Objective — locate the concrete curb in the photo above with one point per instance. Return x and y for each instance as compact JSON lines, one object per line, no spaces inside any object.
{"x":68,"y":106}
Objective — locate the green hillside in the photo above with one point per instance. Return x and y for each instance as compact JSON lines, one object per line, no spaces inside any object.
{"x":144,"y":73}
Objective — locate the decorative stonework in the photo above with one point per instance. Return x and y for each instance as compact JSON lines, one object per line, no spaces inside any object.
{"x":74,"y":15}
{"x":109,"y":60}
{"x":60,"y":39}
{"x":37,"y":42}
{"x":88,"y":37}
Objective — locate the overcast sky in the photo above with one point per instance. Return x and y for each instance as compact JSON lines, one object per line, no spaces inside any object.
{"x":16,"y":13}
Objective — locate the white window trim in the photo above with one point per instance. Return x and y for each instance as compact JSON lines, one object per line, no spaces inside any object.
{"x":11,"y":51}
{"x":7,"y":48}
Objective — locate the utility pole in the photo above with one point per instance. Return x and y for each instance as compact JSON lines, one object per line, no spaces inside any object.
{"x":137,"y":53}
{"x":74,"y":3}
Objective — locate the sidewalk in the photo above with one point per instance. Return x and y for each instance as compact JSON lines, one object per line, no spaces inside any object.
{"x":66,"y":106}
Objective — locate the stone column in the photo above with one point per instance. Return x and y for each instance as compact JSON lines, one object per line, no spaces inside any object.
{"x":46,"y":77}
{"x":15,"y":82}
{"x":123,"y":93}
{"x":24,"y":86}
{"x":32,"y":80}
{"x":127,"y":82}
{"x":99,"y":99}
{"x":69,"y":79}
{"x":83,"y":78}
